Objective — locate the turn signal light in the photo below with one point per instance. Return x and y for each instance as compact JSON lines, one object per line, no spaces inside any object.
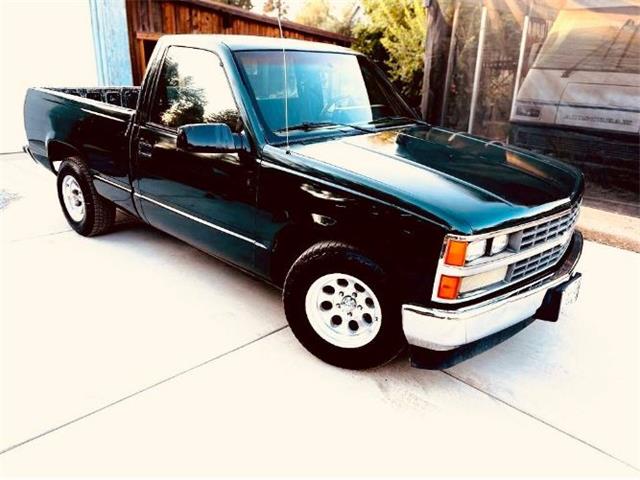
{"x":456,"y":253}
{"x":449,"y":287}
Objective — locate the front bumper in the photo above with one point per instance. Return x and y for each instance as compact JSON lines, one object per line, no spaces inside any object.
{"x":441,"y":330}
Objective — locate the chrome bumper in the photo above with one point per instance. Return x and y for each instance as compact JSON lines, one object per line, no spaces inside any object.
{"x":439,"y":329}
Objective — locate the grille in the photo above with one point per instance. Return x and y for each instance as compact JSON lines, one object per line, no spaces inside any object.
{"x":540,"y":234}
{"x":536,"y":248}
{"x":548,"y":231}
{"x":537,"y":263}
{"x":577,"y":147}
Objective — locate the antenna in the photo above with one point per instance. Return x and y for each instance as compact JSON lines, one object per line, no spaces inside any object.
{"x":286,"y":89}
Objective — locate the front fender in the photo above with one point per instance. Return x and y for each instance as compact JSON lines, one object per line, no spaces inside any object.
{"x":297,"y":209}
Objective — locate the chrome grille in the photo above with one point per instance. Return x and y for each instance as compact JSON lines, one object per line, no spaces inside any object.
{"x":544,"y":232}
{"x":537,"y":263}
{"x":540,"y":234}
{"x":534,"y":248}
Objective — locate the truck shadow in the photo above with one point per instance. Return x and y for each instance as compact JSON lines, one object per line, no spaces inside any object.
{"x":262,"y":291}
{"x":127,"y":225}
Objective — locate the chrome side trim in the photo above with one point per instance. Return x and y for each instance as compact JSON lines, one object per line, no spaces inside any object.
{"x":200,"y":220}
{"x":112,"y":183}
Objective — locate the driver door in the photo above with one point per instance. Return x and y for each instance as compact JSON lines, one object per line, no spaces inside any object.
{"x":205,"y":199}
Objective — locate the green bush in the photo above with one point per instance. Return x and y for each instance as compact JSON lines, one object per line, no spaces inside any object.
{"x":393,"y":35}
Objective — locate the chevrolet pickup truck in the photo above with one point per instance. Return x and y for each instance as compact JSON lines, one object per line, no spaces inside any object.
{"x":298,"y":163}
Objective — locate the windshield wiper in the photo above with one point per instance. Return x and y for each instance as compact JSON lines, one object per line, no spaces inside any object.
{"x":308,"y":126}
{"x":390,"y":118}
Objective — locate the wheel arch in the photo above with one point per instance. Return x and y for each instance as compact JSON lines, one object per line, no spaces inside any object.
{"x":294,"y":239}
{"x":289,"y":245}
{"x":409,"y":254}
{"x":58,"y":151}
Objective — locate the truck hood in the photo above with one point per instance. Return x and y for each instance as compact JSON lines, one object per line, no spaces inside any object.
{"x":463,"y":182}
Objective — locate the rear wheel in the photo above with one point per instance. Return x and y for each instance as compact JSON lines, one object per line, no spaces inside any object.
{"x":340,"y":306}
{"x":87,"y":212}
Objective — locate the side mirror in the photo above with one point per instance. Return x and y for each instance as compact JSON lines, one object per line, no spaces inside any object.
{"x":210,"y":138}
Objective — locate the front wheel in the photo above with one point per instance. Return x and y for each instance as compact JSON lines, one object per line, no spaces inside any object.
{"x":341,"y":307}
{"x":86,"y":211}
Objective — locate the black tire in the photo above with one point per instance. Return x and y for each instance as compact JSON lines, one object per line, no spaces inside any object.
{"x":99,"y":213}
{"x":336,"y":257}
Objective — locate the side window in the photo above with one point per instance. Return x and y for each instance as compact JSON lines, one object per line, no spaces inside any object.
{"x":193,"y":88}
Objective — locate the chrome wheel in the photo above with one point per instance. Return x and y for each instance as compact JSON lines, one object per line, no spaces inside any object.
{"x":343,"y":310}
{"x":73,"y":198}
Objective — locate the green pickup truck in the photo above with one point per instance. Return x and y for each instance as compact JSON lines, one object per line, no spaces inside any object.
{"x":298,"y":163}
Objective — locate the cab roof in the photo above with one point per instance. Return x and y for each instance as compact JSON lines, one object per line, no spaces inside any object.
{"x":251,"y":42}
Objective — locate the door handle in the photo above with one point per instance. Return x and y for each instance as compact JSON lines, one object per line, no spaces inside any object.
{"x":144,"y":149}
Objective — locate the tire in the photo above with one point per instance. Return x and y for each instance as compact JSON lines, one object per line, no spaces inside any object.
{"x":88,"y":213}
{"x":329,"y":333}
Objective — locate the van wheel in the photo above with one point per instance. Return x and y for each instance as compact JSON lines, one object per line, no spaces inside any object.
{"x":340,"y":305}
{"x":87,"y":212}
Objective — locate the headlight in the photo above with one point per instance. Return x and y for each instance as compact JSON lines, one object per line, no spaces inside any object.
{"x":476,"y":249}
{"x":499,"y":243}
{"x":452,"y":287}
{"x":459,"y":252}
{"x":527,"y":111}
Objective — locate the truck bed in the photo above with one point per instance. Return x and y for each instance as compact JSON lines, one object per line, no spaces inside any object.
{"x":88,"y":122}
{"x":126,"y":97}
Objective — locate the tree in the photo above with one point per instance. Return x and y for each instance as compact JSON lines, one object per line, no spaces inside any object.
{"x":246,"y":4}
{"x":185,"y":106}
{"x":319,"y":14}
{"x":394,"y":34}
{"x":277,"y":7}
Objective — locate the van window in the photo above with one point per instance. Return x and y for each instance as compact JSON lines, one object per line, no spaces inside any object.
{"x":609,"y":44}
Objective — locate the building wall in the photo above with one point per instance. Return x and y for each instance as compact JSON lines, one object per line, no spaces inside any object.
{"x":41,"y":44}
{"x":111,"y":42}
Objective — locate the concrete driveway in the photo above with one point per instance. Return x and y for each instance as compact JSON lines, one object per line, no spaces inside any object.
{"x":133,"y":353}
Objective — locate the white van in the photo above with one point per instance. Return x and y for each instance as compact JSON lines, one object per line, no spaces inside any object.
{"x":581,"y":98}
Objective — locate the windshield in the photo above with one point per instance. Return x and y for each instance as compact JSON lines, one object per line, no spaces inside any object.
{"x":591,"y":41}
{"x":323,"y":90}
